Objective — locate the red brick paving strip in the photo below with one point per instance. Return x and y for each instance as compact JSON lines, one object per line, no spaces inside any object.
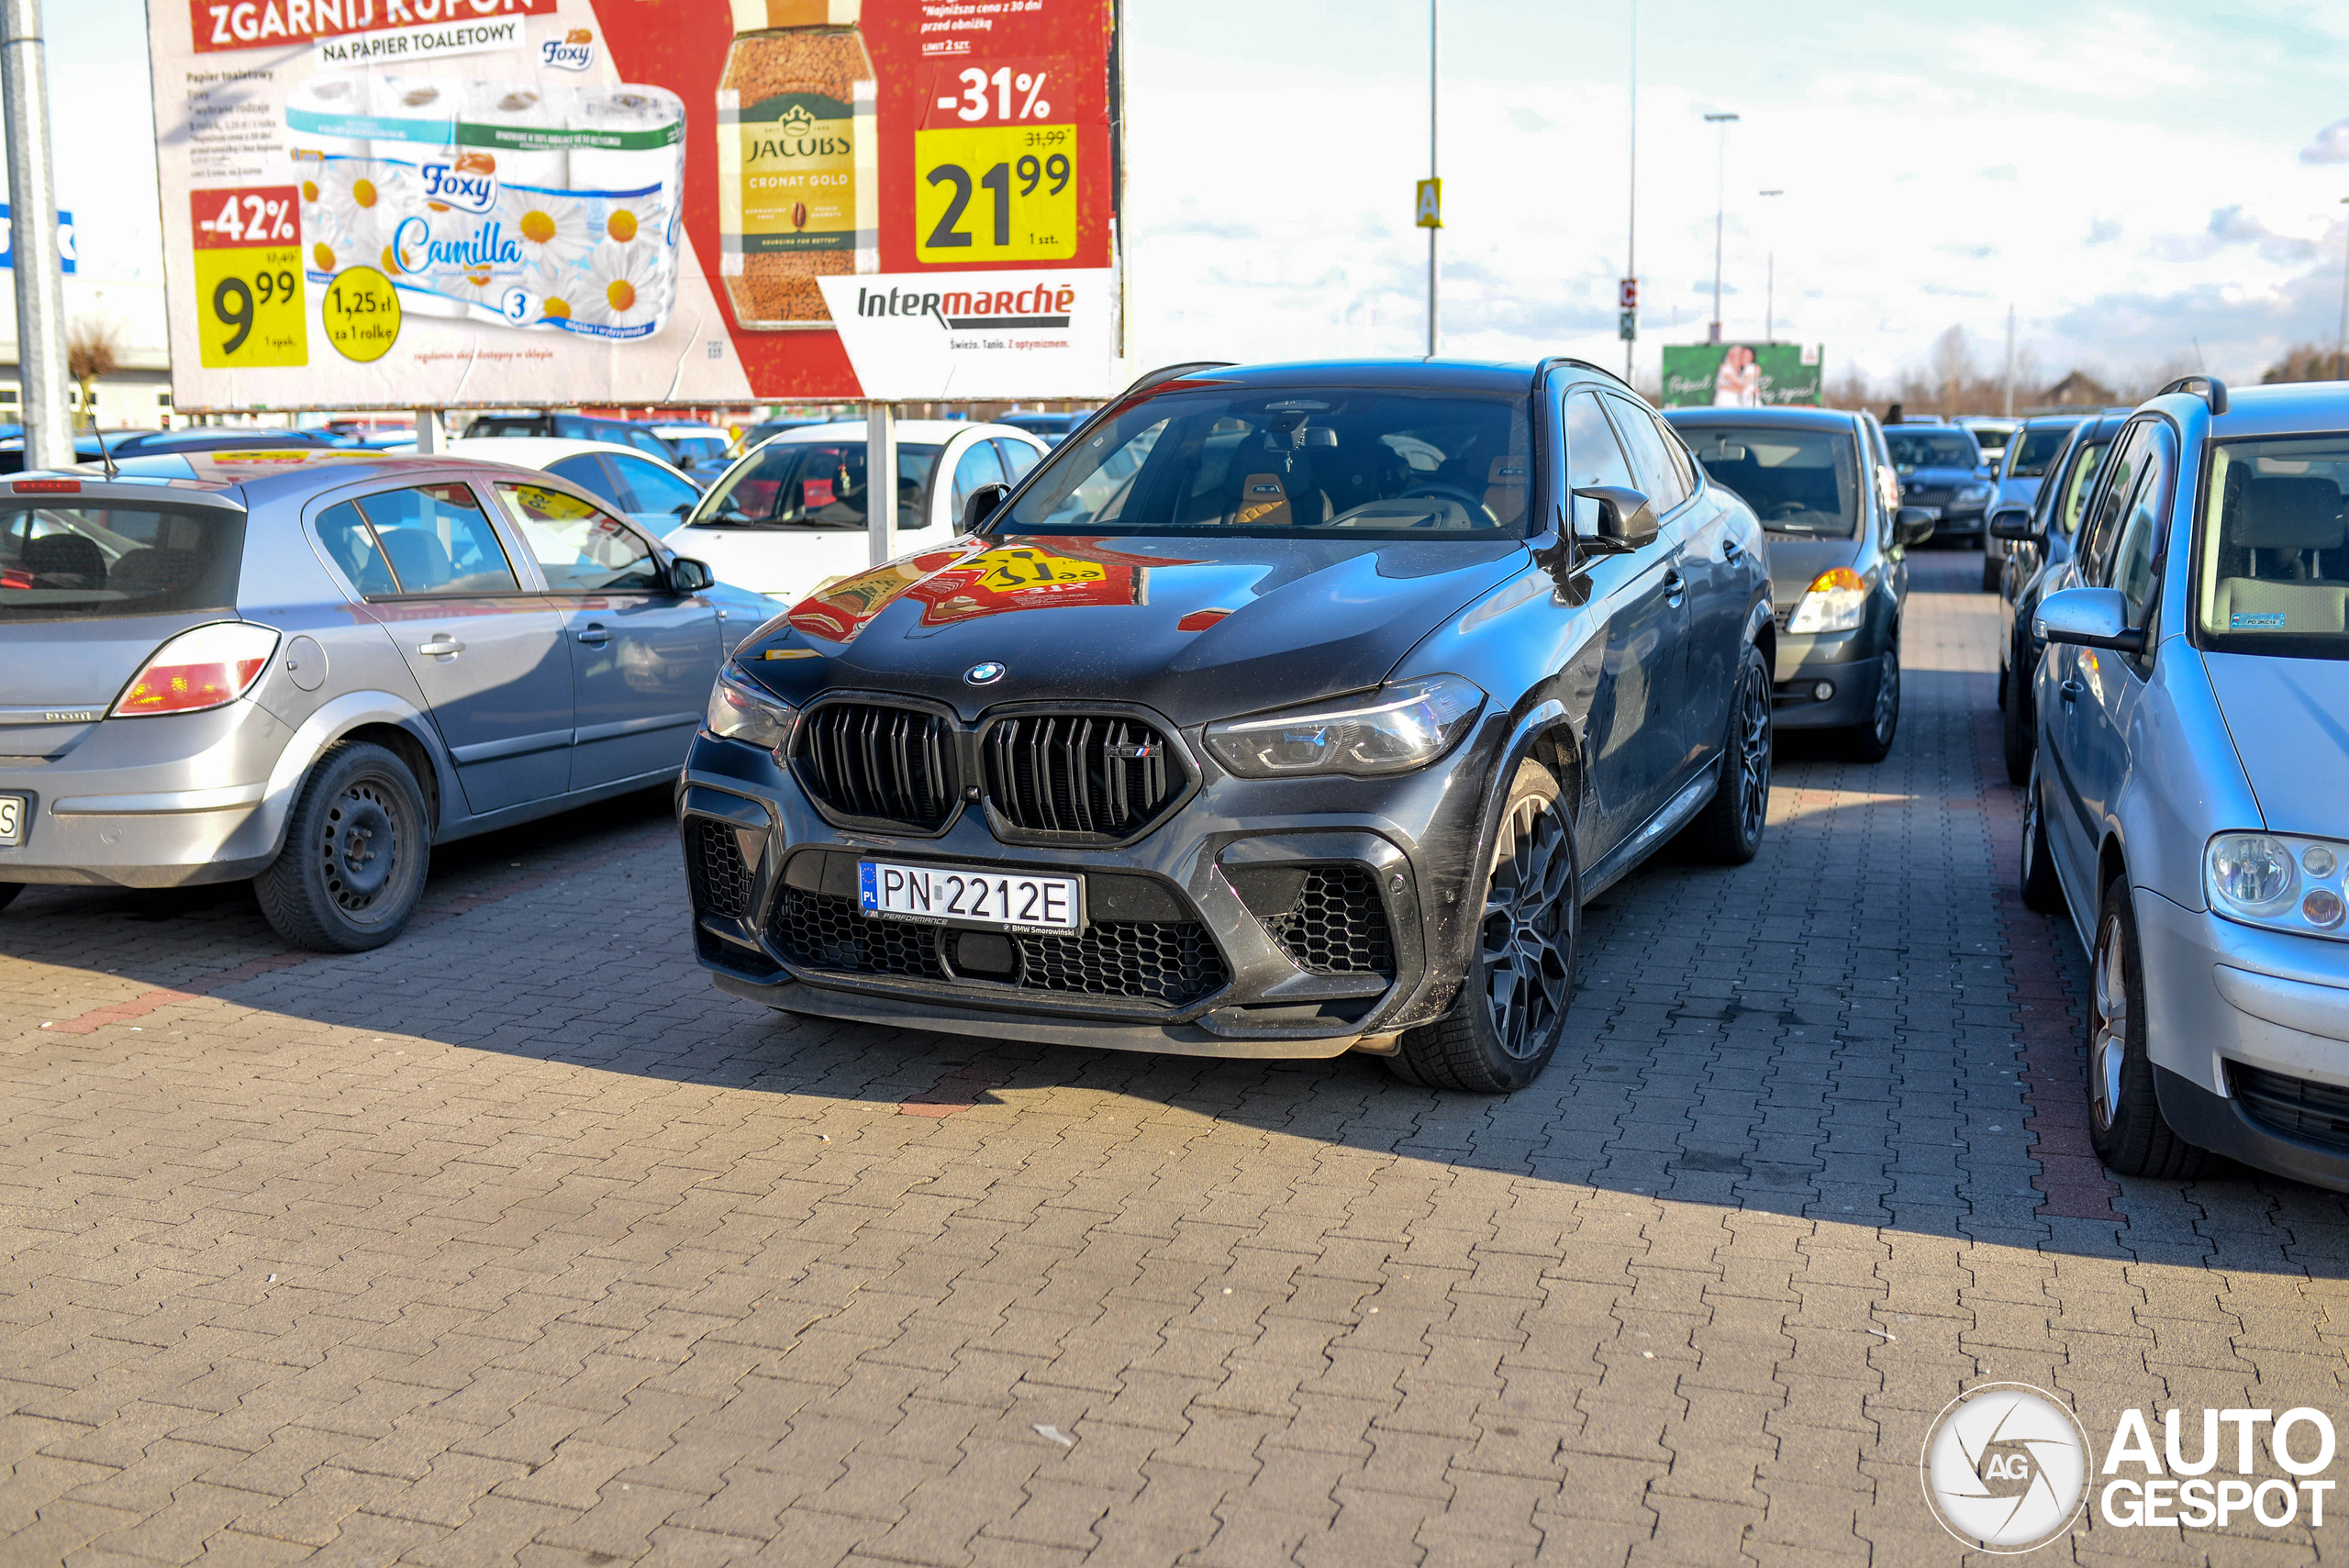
{"x":147,"y":1002}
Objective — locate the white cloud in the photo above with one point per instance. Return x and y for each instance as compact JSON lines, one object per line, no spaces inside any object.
{"x":2330,"y":146}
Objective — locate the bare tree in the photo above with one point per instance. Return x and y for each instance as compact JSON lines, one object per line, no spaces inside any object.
{"x":93,"y":349}
{"x":1952,"y":369}
{"x":2306,"y":361}
{"x":1850,"y":390}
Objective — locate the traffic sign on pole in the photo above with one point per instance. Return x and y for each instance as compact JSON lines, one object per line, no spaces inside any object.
{"x":1627,"y":295}
{"x":1626,"y":325}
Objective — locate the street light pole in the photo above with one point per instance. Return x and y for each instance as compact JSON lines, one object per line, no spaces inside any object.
{"x":1721,"y":204}
{"x":1770,"y":286}
{"x":2341,"y":349}
{"x":1433,"y":39}
{"x":40,"y":279}
{"x":1632,"y":218}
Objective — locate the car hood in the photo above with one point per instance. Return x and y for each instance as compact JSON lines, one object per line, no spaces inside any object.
{"x":1197,"y":628}
{"x":2289,"y":719}
{"x":1794,"y":562}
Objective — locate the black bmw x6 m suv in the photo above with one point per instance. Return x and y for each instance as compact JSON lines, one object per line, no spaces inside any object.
{"x":1282,"y":711}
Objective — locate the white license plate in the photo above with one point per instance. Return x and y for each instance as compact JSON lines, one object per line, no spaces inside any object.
{"x":995,"y":901}
{"x":12,"y":819}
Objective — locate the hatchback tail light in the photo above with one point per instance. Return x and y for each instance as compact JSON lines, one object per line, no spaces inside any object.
{"x":207,"y":667}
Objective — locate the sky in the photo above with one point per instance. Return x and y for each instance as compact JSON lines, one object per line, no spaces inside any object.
{"x":2141,"y":185}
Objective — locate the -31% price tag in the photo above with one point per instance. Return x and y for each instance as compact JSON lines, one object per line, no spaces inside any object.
{"x":249,"y":289}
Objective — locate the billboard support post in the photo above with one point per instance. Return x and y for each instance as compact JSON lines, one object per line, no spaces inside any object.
{"x":428,"y":433}
{"x":41,"y":285}
{"x":881,"y":481}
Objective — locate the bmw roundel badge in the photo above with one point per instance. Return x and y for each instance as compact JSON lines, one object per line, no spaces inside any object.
{"x":984,"y":674}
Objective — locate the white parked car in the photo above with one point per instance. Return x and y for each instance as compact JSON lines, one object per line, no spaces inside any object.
{"x":790,"y":515}
{"x":700,"y":448}
{"x":647,"y":492}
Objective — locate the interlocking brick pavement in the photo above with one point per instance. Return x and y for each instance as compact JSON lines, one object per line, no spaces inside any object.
{"x":515,"y":1242}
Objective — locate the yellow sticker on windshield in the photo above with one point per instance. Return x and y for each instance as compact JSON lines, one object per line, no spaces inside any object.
{"x":1008,"y":571}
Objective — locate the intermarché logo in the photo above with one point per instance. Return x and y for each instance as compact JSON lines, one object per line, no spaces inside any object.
{"x":2007,"y":1468}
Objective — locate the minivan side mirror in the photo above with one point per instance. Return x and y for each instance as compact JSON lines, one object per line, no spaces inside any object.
{"x":1911,"y":525}
{"x":687,"y":575}
{"x":1626,"y":519}
{"x":982,"y":506}
{"x":2012,"y":523}
{"x":2089,"y":617}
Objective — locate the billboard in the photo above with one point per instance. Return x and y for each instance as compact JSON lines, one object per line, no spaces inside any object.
{"x":1742,"y":375}
{"x":478,"y":203}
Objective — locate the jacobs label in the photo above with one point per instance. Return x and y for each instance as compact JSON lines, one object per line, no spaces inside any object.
{"x":799,"y":179}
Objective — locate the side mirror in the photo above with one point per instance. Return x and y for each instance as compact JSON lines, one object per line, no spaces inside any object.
{"x":1626,"y":521}
{"x":2012,"y":523}
{"x":2089,"y":617}
{"x":982,"y":506}
{"x":687,"y":575}
{"x":1911,"y":525}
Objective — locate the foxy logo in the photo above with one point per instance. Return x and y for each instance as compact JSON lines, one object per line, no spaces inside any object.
{"x":575,"y":50}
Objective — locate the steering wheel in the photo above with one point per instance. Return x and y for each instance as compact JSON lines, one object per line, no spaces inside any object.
{"x":1473,"y":504}
{"x":1789,"y":509}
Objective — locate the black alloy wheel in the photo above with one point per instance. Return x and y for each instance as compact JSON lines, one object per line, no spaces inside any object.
{"x":1511,"y":1012}
{"x":2020,"y":722}
{"x":356,"y":848}
{"x":2125,"y":1121}
{"x":2040,"y":891}
{"x":1729,"y":830}
{"x":1872,"y":741}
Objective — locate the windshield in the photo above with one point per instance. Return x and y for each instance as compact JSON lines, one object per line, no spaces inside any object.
{"x":2034,"y":449}
{"x":2271,"y":564}
{"x":1797,"y":481}
{"x":696,"y":448}
{"x":1932,"y":448}
{"x":813,"y":485}
{"x":1271,"y":463}
{"x":96,"y":563}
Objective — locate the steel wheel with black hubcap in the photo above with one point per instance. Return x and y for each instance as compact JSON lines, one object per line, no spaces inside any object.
{"x":356,"y":848}
{"x":2125,"y":1122}
{"x":1729,"y":831}
{"x":1505,"y":1024}
{"x":1872,"y":741}
{"x":2021,"y":718}
{"x":2040,"y":891}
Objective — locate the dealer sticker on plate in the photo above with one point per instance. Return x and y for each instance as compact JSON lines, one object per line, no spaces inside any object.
{"x":988,"y":900}
{"x":12,"y":819}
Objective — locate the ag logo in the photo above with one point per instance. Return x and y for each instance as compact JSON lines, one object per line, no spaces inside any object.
{"x":2006,"y":1467}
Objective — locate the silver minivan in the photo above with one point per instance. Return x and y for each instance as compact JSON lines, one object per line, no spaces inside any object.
{"x":2188,"y":799}
{"x":306,"y":667}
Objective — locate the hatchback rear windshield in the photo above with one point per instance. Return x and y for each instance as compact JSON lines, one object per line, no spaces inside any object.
{"x":1932,"y":448}
{"x":1399,"y":463}
{"x":2272,"y":562}
{"x":98,"y":561}
{"x":1797,"y":481}
{"x":813,"y":485}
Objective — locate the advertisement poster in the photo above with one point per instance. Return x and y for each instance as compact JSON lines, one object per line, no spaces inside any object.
{"x":491,"y":203}
{"x":1742,"y":375}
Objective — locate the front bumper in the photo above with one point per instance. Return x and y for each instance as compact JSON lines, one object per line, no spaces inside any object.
{"x":1190,"y":949}
{"x":2248,"y":1030}
{"x":169,"y":801}
{"x":1795,"y":704}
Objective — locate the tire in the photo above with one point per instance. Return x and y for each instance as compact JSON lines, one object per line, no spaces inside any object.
{"x":1730,"y":830}
{"x":8,"y":891}
{"x":2020,"y":722}
{"x":2125,"y":1122}
{"x":1872,"y":741}
{"x":357,"y":849}
{"x":1505,"y":1024}
{"x":2040,"y":891}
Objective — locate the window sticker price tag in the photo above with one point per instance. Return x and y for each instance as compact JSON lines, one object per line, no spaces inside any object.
{"x":996,"y":194}
{"x":249,"y":288}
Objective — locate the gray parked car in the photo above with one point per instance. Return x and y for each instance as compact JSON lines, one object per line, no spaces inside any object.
{"x":2038,"y":540}
{"x":307,"y":667}
{"x":1825,"y":488}
{"x":2186,"y":804}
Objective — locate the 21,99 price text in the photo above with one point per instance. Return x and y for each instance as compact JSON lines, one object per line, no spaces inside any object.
{"x":996,"y":194}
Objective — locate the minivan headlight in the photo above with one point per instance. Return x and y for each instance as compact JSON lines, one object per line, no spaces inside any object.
{"x":740,"y":710}
{"x":1837,"y":600}
{"x":1395,"y":730}
{"x":2278,"y":881}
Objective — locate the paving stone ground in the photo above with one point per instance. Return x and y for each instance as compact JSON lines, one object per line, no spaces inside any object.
{"x":515,"y":1243}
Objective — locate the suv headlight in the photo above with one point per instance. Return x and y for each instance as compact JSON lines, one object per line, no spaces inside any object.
{"x":1837,"y":600}
{"x":2278,"y":881}
{"x":1973,"y":494}
{"x":740,"y":710}
{"x":1397,"y":729}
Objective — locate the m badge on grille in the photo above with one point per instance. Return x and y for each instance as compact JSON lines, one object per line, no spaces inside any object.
{"x":1141,"y":751}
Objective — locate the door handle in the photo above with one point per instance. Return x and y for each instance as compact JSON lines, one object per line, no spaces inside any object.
{"x":595,"y":636}
{"x":442,"y":645}
{"x":1731,"y":550}
{"x":2071,"y":691}
{"x":1675,"y":585}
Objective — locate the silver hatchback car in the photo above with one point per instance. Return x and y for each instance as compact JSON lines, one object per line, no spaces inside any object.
{"x":2190,"y":799}
{"x":306,"y":667}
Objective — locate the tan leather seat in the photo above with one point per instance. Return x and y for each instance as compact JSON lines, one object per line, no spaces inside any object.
{"x":1263,"y":503}
{"x":1505,"y":489}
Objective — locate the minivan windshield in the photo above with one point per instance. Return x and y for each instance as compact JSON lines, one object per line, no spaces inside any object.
{"x":1271,"y":463}
{"x":813,"y":485}
{"x":101,"y":561}
{"x":1932,"y":448}
{"x":2272,"y":563}
{"x":1797,"y":481}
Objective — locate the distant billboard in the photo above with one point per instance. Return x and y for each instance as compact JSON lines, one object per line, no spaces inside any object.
{"x":1742,"y":375}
